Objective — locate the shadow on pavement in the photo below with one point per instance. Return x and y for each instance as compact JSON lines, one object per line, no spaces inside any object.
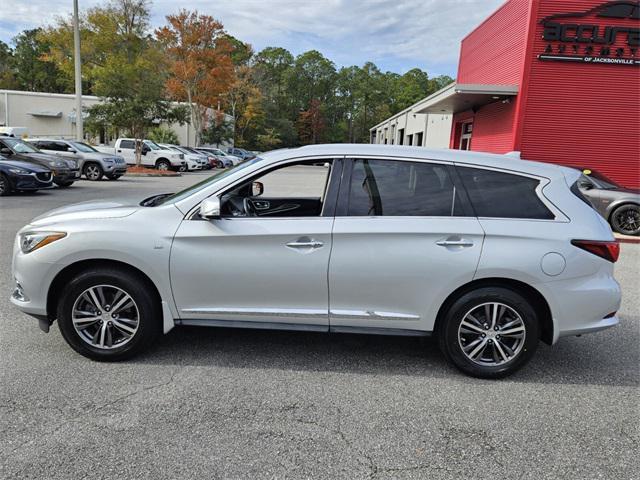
{"x":597,"y":359}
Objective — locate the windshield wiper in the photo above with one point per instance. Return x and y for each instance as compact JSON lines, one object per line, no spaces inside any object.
{"x":153,"y":201}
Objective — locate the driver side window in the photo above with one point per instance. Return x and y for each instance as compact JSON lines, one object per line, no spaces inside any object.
{"x":294,"y":190}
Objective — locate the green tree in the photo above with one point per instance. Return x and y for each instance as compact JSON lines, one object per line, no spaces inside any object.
{"x":131,"y":79}
{"x":268,"y":140}
{"x":217,"y":131}
{"x":162,"y":134}
{"x":31,"y":72}
{"x":7,"y":74}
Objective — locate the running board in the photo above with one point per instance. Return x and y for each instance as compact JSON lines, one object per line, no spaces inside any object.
{"x":301,"y":327}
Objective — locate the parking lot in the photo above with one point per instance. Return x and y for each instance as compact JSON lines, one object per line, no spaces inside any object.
{"x":223,"y":403}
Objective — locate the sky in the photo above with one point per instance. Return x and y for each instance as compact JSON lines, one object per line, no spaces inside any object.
{"x":396,"y":35}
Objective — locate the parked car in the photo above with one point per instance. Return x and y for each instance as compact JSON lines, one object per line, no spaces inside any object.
{"x":620,"y":206}
{"x":241,"y":153}
{"x":226,"y":160}
{"x":488,"y":254}
{"x":193,"y":161}
{"x":65,"y":171}
{"x":92,"y":163}
{"x":23,"y":176}
{"x":152,"y":154}
{"x":209,"y":160}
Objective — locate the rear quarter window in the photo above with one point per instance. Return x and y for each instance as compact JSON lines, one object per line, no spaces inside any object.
{"x":503,"y":195}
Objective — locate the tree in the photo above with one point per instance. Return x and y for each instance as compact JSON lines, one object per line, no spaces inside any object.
{"x":218,"y":131}
{"x":31,"y":72}
{"x":244,"y":103}
{"x":163,"y":134}
{"x":311,"y":123}
{"x":7,"y":75}
{"x":131,"y":79}
{"x":268,"y":140}
{"x":201,"y":68}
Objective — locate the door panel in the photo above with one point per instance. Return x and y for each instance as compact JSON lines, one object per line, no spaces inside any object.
{"x":395,"y":272}
{"x":286,"y":207}
{"x":252,"y":269}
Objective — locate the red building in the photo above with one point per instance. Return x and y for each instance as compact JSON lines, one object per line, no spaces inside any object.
{"x":557,"y":80}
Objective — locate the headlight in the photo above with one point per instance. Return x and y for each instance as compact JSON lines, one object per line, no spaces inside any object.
{"x":30,"y":241}
{"x":19,"y":171}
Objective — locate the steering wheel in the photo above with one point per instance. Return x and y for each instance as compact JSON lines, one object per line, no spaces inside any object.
{"x":249,"y":210}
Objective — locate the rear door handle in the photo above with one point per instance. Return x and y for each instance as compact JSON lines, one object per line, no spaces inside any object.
{"x":455,"y":242}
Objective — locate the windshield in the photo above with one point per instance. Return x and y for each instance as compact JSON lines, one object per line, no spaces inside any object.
{"x":182,"y":194}
{"x":18,"y":146}
{"x":152,"y":145}
{"x":83,"y":147}
{"x":601,"y":180}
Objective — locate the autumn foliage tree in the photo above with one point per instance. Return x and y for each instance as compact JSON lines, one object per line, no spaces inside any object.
{"x":311,"y":123}
{"x":200,"y":64}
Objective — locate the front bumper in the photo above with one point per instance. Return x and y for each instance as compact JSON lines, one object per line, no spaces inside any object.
{"x":66,"y":175}
{"x":32,"y":181}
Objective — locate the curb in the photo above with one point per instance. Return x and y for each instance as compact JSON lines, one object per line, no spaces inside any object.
{"x":158,"y":175}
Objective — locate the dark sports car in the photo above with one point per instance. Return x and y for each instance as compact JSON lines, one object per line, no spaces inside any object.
{"x":23,"y":176}
{"x":619,"y":205}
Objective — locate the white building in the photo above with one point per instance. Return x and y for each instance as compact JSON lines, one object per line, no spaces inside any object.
{"x":412,"y":126}
{"x":54,"y":115}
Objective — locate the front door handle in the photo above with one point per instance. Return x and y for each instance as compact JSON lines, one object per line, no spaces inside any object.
{"x":305,"y":243}
{"x":455,"y":241}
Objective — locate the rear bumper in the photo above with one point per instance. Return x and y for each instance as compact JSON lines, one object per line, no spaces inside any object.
{"x":582,"y":305}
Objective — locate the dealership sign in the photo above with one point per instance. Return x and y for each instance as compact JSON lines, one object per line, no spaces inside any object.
{"x":582,"y":37}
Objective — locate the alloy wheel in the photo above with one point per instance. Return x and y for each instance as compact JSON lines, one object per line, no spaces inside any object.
{"x":491,"y":334}
{"x":627,"y":220}
{"x":92,"y":172}
{"x":4,"y":185}
{"x":105,"y":317}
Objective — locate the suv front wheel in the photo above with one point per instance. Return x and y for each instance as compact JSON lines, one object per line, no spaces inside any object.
{"x":108,"y":314}
{"x":490,"y":332}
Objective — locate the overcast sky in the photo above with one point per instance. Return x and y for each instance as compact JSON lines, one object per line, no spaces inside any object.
{"x":397,"y":35}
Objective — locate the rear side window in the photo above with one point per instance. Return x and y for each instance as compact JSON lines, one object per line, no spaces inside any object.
{"x":503,"y":195}
{"x":400,"y":188}
{"x":127,"y":144}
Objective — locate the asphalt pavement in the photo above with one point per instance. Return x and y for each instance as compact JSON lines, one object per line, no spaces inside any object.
{"x":223,"y":403}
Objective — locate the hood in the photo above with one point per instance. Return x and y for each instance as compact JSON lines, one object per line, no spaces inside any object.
{"x":86,"y":211}
{"x":32,"y":167}
{"x":98,"y":155}
{"x":44,"y":159}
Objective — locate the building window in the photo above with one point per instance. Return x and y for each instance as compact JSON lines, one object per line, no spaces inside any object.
{"x":401,"y":136}
{"x":418,"y":141}
{"x":410,"y":139}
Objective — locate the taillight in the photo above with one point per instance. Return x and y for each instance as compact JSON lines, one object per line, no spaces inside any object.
{"x":608,"y":250}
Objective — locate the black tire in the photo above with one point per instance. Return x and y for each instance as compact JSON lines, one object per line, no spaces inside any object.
{"x":451,"y":342}
{"x":92,"y":171}
{"x":64,"y":184}
{"x":5,"y":185}
{"x":626,"y":219}
{"x":138,"y":288}
{"x":163,"y":164}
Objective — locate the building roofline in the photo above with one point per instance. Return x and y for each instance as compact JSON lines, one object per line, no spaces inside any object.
{"x":46,"y":94}
{"x":414,"y":106}
{"x":495,"y":12}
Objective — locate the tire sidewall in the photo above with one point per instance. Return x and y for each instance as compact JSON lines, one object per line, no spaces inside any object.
{"x":7,"y":185}
{"x":96,"y":165}
{"x":149,"y":312}
{"x":448,"y":337}
{"x":614,"y":224}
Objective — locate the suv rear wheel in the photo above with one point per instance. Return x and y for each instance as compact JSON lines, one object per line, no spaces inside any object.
{"x":108,"y":314}
{"x":490,"y":332}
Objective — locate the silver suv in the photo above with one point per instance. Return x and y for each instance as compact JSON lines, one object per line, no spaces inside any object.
{"x":487,"y":253}
{"x":92,"y":163}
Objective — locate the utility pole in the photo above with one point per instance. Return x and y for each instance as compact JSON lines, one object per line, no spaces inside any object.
{"x":78,"y":74}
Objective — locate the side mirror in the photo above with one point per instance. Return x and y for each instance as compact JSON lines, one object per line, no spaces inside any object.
{"x":6,"y":151}
{"x":210,"y":208}
{"x":257,"y":189}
